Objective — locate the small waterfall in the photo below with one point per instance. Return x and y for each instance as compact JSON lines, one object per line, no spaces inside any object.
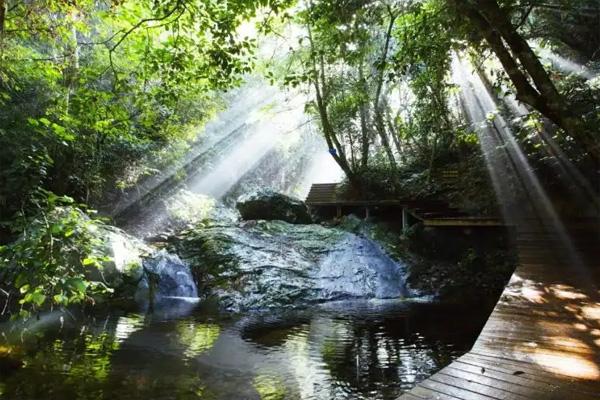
{"x":166,"y":276}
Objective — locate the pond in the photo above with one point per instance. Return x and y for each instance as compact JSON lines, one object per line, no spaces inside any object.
{"x":185,"y":350}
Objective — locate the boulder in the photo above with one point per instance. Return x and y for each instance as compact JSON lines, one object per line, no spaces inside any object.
{"x":269,"y":205}
{"x":277,"y":264}
{"x":165,"y":275}
{"x":124,"y":269}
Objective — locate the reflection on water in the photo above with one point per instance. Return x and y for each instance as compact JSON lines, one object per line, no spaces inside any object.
{"x":196,"y":337}
{"x":356,"y":350}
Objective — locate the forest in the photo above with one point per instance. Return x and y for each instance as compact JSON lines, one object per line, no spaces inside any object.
{"x":108,"y":110}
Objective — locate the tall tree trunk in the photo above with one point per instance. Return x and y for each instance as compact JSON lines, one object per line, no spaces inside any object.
{"x":2,"y":16}
{"x":379,"y":121}
{"x":364,"y":117}
{"x":499,"y":19}
{"x":335,"y":147}
{"x":393,"y":132}
{"x":495,"y":26}
{"x":70,"y":74}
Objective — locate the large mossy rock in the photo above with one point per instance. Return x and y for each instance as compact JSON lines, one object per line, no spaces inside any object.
{"x":264,"y":264}
{"x":269,"y":205}
{"x":124,"y":270}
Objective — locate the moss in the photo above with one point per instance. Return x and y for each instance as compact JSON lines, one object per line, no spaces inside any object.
{"x":206,"y":251}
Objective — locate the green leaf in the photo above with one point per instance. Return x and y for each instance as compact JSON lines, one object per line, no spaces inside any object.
{"x":60,"y":299}
{"x":78,"y":284}
{"x":89,"y":261}
{"x":38,"y":298}
{"x":21,"y":279}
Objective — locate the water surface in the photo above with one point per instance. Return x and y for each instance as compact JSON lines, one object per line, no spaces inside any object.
{"x":340,"y":350}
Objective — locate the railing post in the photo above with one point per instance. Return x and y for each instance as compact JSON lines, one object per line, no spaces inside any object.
{"x":405,"y":225}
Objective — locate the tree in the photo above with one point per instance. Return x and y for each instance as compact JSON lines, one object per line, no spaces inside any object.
{"x":532,"y":82}
{"x":346,"y":59}
{"x":93,"y":93}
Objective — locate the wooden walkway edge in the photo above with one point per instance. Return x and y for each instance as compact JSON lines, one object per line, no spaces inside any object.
{"x":431,"y":213}
{"x":542,"y":340}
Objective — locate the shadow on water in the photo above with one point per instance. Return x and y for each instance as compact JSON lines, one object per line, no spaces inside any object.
{"x":342,"y":350}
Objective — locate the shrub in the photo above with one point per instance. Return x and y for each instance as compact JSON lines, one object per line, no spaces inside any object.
{"x":51,"y":261}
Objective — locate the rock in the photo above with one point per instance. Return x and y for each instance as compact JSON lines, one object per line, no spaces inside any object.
{"x":124,"y":271}
{"x":139,"y":271}
{"x":269,"y":205}
{"x":190,"y":209}
{"x":165,"y":275}
{"x":278,"y":264}
{"x":358,"y":267}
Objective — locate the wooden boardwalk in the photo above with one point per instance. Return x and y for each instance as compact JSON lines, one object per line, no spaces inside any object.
{"x":430,"y":212}
{"x":542,"y":341}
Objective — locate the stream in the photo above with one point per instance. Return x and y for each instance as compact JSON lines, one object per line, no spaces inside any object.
{"x":360,"y":349}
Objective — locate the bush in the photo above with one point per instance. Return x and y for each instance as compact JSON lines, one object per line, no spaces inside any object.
{"x":50,"y":263}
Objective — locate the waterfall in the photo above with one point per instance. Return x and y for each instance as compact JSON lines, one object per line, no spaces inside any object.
{"x":166,"y":276}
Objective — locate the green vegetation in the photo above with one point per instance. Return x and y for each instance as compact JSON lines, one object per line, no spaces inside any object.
{"x":91,"y":93}
{"x":94,"y":97}
{"x":52,"y":260}
{"x":380,"y":72}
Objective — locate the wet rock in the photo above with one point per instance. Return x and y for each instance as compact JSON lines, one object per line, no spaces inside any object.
{"x":269,"y":205}
{"x":275,"y":264}
{"x":124,"y":270}
{"x":358,"y":267}
{"x":165,"y":275}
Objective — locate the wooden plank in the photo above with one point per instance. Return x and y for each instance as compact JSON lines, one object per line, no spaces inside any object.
{"x":526,"y":390}
{"x":577,"y":367}
{"x":480,"y":386}
{"x":513,"y":375}
{"x":519,"y":351}
{"x":456,"y":389}
{"x":427,"y":393}
{"x":530,"y":372}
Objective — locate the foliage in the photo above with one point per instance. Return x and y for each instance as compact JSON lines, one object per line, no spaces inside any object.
{"x":379,"y":73}
{"x":94,"y":93}
{"x":56,"y":254}
{"x":344,"y":58}
{"x":393,"y":117}
{"x":570,"y":25}
{"x":457,"y":266}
